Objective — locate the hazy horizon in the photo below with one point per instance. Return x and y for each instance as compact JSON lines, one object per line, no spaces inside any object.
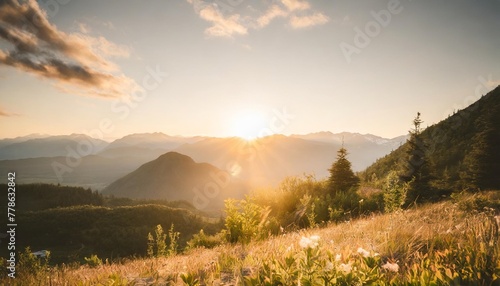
{"x":43,"y":135}
{"x":240,"y":68}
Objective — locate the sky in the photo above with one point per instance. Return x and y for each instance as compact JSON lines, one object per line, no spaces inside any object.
{"x":240,"y":67}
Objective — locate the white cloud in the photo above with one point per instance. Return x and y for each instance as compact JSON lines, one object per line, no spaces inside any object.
{"x":271,"y":13}
{"x":221,"y":26}
{"x":294,"y":5}
{"x":308,"y":21}
{"x":297,"y":12}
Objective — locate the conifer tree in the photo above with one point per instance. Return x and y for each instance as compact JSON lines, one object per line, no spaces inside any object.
{"x":342,"y":178}
{"x":417,"y":167}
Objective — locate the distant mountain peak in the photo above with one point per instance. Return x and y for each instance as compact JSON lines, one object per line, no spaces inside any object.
{"x":174,"y":176}
{"x":175,"y":157}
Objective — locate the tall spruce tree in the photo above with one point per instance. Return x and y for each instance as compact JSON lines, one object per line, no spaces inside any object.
{"x":342,"y":178}
{"x":416,"y":170}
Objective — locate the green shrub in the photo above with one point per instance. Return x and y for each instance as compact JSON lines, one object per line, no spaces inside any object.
{"x":157,"y":243}
{"x":173,"y":241}
{"x":30,"y":265}
{"x":93,"y":261}
{"x":245,"y":221}
{"x":478,"y":202}
{"x":394,"y":192}
{"x":207,"y":241}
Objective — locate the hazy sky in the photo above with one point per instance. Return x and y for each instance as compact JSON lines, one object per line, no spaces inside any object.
{"x":241,"y":67}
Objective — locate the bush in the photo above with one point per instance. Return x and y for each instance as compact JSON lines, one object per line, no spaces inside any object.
{"x":32,"y":267}
{"x":245,"y":221}
{"x":477,"y":202}
{"x":93,"y":261}
{"x":394,"y":192}
{"x":207,"y":241}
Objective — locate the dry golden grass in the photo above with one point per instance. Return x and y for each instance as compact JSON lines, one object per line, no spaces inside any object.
{"x":397,"y":236}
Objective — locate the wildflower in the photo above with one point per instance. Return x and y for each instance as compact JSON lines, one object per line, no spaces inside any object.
{"x":315,"y":239}
{"x":304,"y":242}
{"x":393,"y":267}
{"x":361,"y":201}
{"x":328,"y":266}
{"x":363,"y":252}
{"x":309,"y":242}
{"x":346,"y":268}
{"x":338,"y":257}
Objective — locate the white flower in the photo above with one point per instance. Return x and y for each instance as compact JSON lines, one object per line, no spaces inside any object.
{"x":304,"y":242}
{"x":346,"y":268}
{"x":361,"y":201}
{"x":315,"y":241}
{"x":309,"y":242}
{"x":363,"y":252}
{"x":338,"y":257}
{"x":393,"y":267}
{"x":328,"y":266}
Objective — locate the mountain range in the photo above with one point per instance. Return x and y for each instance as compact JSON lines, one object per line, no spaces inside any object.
{"x":462,"y":150}
{"x":40,"y":158}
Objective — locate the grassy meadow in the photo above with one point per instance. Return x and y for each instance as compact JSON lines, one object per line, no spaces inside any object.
{"x":454,"y":242}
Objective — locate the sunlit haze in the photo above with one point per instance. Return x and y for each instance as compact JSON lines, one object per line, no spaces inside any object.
{"x":242,"y":68}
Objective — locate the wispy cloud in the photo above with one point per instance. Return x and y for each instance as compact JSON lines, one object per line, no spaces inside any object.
{"x":308,"y":21}
{"x":76,"y":61}
{"x":294,"y":5}
{"x":297,"y":12}
{"x":273,"y":12}
{"x":84,"y":28}
{"x":221,"y":26}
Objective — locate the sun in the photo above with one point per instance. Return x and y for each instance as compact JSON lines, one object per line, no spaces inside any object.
{"x":248,"y":125}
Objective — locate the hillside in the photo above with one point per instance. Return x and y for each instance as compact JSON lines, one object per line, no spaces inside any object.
{"x":73,"y":233}
{"x":450,"y":243}
{"x":73,"y":222}
{"x":174,"y":176}
{"x":463,"y":149}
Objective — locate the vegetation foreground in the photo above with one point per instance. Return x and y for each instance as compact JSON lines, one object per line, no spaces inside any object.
{"x":449,"y":243}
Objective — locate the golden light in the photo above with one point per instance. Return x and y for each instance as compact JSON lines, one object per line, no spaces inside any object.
{"x":248,"y":124}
